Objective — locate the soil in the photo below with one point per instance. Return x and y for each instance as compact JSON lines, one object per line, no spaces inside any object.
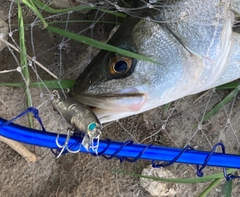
{"x":87,"y":176}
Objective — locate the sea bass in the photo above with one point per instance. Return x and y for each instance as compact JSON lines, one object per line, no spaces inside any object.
{"x":193,"y":48}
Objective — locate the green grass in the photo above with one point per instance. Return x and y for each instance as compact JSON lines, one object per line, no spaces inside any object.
{"x":214,"y":178}
{"x":97,"y":44}
{"x":179,"y":180}
{"x":33,"y":4}
{"x":51,"y":10}
{"x":23,"y":60}
{"x":227,"y":190}
{"x":210,"y":187}
{"x":83,"y":21}
{"x":221,"y":104}
{"x":51,"y":84}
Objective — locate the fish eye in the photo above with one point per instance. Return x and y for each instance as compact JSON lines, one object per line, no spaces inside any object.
{"x":119,"y":66}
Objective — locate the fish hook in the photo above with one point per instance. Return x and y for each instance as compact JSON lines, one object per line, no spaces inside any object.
{"x":70,"y":132}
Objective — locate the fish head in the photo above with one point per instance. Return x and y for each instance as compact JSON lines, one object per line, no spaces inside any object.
{"x":116,"y":86}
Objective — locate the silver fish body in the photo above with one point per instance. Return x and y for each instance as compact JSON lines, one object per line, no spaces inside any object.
{"x":192,"y":42}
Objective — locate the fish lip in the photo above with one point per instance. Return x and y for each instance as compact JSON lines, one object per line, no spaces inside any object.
{"x":126,"y":100}
{"x":114,"y":110}
{"x":109,"y":95}
{"x":112,"y":95}
{"x":126,"y":92}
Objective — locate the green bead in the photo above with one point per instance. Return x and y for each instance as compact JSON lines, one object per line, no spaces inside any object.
{"x":92,"y":126}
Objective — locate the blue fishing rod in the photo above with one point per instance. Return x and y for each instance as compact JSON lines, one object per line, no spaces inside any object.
{"x":128,"y":151}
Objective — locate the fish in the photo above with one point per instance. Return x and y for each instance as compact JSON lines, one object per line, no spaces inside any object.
{"x":192,"y":43}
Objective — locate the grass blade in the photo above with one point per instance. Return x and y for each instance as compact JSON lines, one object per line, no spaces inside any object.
{"x":166,"y":108}
{"x":13,"y":84}
{"x":84,"y":21}
{"x":221,"y":104}
{"x":51,"y":84}
{"x":227,"y":190}
{"x":30,"y":4}
{"x":97,"y":44}
{"x":179,"y":180}
{"x":23,"y":60}
{"x":54,"y":84}
{"x":48,"y":9}
{"x":210,"y":187}
{"x":228,"y":86}
{"x":23,"y":52}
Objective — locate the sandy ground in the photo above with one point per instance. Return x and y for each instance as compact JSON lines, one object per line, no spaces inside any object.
{"x":87,"y":176}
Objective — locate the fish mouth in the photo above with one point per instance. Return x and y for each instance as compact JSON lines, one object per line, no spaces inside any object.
{"x":116,"y":105}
